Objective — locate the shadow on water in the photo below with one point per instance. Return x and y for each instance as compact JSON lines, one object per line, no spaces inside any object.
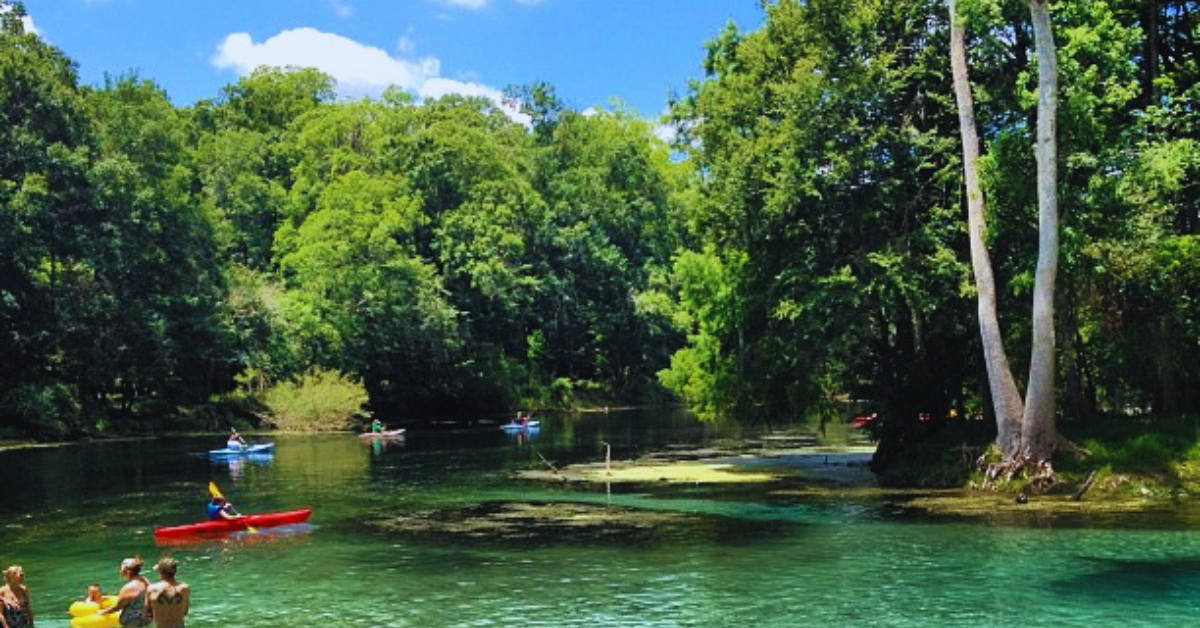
{"x":1133,"y":578}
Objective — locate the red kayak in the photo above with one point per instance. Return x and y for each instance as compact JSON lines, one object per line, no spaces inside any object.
{"x":266,"y":520}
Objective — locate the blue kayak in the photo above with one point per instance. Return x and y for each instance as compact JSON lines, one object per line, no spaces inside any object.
{"x":517,"y":427}
{"x":258,"y":448}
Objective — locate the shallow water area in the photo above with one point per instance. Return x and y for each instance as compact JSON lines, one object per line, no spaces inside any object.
{"x":704,"y":556}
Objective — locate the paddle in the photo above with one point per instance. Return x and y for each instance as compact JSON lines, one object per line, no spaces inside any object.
{"x":216,"y":492}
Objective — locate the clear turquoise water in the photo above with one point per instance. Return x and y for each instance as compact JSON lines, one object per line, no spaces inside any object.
{"x":71,"y":513}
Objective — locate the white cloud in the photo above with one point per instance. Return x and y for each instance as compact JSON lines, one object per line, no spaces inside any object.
{"x":435,"y":88}
{"x":666,"y":132}
{"x":26,"y":22}
{"x":359,"y":69}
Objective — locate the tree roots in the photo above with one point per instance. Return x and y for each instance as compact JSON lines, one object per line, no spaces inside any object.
{"x":1038,"y":475}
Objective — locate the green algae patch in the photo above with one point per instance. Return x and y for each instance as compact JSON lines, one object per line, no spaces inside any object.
{"x":968,"y":503}
{"x":518,"y":520}
{"x":506,"y":525}
{"x":671,"y":473}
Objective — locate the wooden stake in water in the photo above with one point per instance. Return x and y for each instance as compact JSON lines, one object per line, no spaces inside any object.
{"x":608,"y":473}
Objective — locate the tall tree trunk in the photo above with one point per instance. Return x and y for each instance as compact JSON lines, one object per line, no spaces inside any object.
{"x":1039,"y":435}
{"x":1006,"y":399}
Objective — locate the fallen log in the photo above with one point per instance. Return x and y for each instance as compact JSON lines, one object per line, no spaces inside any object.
{"x":1086,"y":485}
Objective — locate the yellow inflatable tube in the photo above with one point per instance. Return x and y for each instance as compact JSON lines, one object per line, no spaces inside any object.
{"x":83,"y":614}
{"x":111,"y":620}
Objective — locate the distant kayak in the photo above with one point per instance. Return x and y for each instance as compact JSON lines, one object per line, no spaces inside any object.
{"x":258,"y":448}
{"x":265,"y":520}
{"x":384,"y":434}
{"x":516,"y":427}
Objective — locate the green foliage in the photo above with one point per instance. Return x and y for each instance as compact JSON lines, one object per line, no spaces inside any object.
{"x":704,"y":378}
{"x":47,"y":411}
{"x":822,"y":148}
{"x":1136,"y":445}
{"x":270,"y":99}
{"x":804,"y":244}
{"x":319,"y":400}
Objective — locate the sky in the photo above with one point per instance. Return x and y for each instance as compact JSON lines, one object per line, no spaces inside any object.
{"x":591,"y":51}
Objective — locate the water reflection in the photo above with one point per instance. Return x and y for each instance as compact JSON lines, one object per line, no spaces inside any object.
{"x":293,"y":535}
{"x":237,"y":465}
{"x":524,"y":436}
{"x":380,"y":445}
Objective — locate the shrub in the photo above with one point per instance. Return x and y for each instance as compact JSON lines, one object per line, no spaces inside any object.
{"x":321,"y":400}
{"x":47,"y":411}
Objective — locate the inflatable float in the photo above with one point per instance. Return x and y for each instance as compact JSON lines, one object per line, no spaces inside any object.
{"x":83,"y":614}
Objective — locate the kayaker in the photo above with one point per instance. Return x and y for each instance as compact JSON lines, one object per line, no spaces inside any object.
{"x":235,"y":440}
{"x":376,"y":427}
{"x":219,"y":508}
{"x":131,"y":602}
{"x":169,"y":598}
{"x":15,"y":609}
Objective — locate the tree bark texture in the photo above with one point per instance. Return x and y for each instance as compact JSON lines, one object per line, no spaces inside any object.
{"x":1039,"y":434}
{"x":1006,"y":399}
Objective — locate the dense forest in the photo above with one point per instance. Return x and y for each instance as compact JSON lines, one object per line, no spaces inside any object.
{"x":799,"y":251}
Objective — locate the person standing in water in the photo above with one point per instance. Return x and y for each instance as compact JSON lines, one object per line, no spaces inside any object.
{"x":131,"y":602}
{"x":15,"y":609}
{"x":169,"y":598}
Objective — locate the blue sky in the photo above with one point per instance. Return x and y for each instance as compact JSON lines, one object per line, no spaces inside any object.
{"x":590,"y":50}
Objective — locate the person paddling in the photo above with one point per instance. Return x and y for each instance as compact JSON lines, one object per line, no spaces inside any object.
{"x":220,"y":509}
{"x":235,"y":441}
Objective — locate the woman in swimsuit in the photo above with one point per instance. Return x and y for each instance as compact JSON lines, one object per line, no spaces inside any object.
{"x":131,"y":602}
{"x":168,"y":597}
{"x":15,"y":611}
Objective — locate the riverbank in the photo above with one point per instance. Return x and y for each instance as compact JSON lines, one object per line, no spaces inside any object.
{"x":844,"y":471}
{"x":790,"y":464}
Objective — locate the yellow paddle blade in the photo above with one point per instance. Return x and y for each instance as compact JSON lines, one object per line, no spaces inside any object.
{"x":213,"y":490}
